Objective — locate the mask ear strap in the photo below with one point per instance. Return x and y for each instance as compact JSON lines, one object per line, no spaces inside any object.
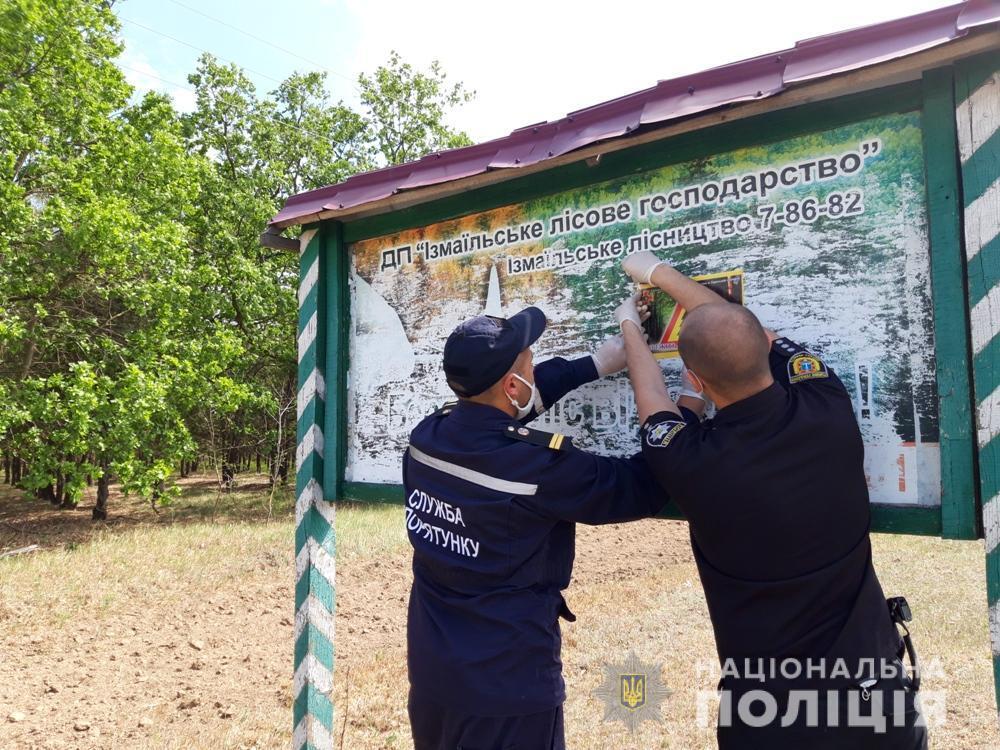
{"x":510,"y":398}
{"x":688,"y":374}
{"x":533,"y":398}
{"x":691,"y":385}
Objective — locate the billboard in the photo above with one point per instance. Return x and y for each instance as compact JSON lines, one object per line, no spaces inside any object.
{"x":828,"y":231}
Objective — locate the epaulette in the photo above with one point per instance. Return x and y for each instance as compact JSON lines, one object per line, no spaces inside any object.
{"x":786,"y":347}
{"x":445,"y":408}
{"x":554,"y":440}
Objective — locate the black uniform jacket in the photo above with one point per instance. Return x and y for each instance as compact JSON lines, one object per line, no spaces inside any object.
{"x":775,"y":493}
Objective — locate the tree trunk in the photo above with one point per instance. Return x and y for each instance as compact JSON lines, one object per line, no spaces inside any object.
{"x":158,"y":491}
{"x":28,"y":356}
{"x":67,"y":500}
{"x":283,"y":468}
{"x":100,"y":512}
{"x":49,"y":493}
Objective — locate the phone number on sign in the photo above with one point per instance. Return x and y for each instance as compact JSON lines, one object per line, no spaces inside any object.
{"x":807,"y":210}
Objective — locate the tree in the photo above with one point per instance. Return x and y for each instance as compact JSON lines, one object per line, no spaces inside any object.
{"x":58,"y":89}
{"x":406,"y":111}
{"x":261,"y":151}
{"x":105,"y":346}
{"x":142,"y":326}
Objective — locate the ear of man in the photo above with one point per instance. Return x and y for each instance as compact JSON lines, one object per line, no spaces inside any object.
{"x":508,"y":386}
{"x":727,"y":348}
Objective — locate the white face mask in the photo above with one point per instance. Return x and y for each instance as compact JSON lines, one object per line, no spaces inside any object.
{"x":534,"y":400}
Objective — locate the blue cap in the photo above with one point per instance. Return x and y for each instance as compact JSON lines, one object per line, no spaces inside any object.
{"x":482,"y":350}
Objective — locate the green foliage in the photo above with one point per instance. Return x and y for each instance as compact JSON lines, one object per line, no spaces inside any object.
{"x":407,"y":110}
{"x":141,"y":323}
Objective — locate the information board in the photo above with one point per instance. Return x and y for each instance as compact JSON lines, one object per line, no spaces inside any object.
{"x":829,"y":230}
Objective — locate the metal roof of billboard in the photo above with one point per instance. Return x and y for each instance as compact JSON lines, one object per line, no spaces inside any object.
{"x":748,"y":80}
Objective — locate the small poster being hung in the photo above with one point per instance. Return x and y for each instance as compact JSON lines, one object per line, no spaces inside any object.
{"x":663,"y":327}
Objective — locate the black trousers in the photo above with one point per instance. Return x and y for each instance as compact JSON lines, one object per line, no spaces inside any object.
{"x":878,"y":712}
{"x":437,"y":727}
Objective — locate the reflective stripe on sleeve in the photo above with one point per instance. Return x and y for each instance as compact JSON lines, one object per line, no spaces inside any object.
{"x":471,"y":475}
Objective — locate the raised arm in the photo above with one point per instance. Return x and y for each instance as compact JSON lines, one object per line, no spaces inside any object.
{"x":645,"y":375}
{"x":584,"y":488}
{"x":556,"y":377}
{"x":646,"y":268}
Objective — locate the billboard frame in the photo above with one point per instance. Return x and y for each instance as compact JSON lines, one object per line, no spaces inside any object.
{"x":932,"y":96}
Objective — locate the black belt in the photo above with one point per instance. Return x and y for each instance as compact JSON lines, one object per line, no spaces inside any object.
{"x":900,"y":613}
{"x":564,"y":610}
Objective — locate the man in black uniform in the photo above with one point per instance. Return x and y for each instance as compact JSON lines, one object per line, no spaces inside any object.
{"x":490,"y":512}
{"x":774,"y":490}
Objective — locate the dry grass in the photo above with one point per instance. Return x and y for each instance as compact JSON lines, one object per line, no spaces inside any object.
{"x":184,"y":619}
{"x":636,"y":588}
{"x":369,"y":530}
{"x":181,"y":619}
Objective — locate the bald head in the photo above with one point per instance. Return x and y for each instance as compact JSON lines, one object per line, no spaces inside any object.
{"x":726,"y":346}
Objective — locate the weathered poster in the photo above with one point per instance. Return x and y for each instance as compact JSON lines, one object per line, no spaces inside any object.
{"x":828,"y":229}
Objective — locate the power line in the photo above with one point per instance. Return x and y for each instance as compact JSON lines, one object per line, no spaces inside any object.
{"x":262,"y":40}
{"x":158,"y":78}
{"x":199,"y":49}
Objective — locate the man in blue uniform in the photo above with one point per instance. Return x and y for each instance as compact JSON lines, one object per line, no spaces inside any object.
{"x":490,"y":512}
{"x":774,"y":490}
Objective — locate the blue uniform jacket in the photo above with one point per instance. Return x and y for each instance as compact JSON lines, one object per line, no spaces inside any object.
{"x":490,"y":512}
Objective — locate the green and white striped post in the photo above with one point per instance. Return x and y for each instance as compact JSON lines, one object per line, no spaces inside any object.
{"x":314,"y":514}
{"x":977,"y":118}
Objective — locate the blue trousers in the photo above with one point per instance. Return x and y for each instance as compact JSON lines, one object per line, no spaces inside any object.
{"x":436,"y":727}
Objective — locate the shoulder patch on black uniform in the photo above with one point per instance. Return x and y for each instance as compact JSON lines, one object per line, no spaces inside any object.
{"x":660,"y":434}
{"x":806,"y":366}
{"x":554,"y":440}
{"x":445,"y":408}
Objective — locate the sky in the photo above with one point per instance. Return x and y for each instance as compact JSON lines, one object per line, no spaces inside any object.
{"x":527,"y":61}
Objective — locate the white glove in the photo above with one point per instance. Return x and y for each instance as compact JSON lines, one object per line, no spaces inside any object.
{"x":690,"y":387}
{"x":640,"y":266}
{"x":610,"y":356}
{"x":629,"y":310}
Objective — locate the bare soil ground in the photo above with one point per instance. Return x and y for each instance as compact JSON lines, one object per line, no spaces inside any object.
{"x":165,"y":630}
{"x":173,"y":630}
